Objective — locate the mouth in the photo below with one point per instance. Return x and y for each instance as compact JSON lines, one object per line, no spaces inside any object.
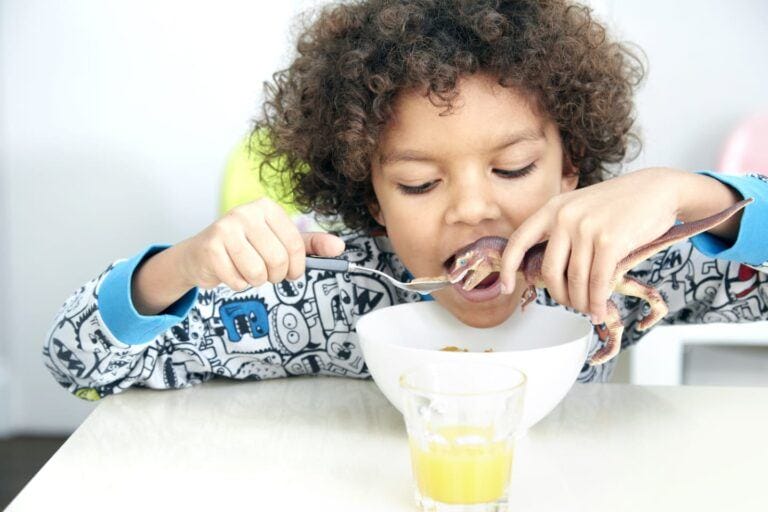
{"x":474,"y":269}
{"x":489,"y":281}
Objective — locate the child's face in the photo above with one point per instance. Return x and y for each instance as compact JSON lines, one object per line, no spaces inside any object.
{"x":458,"y":161}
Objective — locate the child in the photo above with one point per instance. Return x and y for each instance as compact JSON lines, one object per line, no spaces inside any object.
{"x":433,"y":124}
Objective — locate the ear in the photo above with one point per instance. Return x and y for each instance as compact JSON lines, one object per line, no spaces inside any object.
{"x":376,"y":213}
{"x":570,"y":177}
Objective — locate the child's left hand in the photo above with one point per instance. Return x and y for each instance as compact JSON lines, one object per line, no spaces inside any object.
{"x":590,"y":230}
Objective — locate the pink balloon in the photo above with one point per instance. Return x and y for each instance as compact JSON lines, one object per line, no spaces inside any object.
{"x":746,"y":149}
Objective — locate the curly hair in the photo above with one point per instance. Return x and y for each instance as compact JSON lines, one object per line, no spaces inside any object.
{"x":323,"y":115}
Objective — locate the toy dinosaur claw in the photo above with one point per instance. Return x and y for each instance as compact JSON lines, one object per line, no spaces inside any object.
{"x":614,"y":329}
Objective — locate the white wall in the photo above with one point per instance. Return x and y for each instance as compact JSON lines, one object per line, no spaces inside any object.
{"x":116,"y":119}
{"x":708,"y":70}
{"x":4,"y":242}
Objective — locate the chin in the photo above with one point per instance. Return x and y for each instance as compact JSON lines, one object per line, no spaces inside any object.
{"x":481,"y":320}
{"x":481,"y":315}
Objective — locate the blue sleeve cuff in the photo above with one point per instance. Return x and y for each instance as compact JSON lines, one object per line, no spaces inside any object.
{"x":120,"y":315}
{"x":751,"y":245}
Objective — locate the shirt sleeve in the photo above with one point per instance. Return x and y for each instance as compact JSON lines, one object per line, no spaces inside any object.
{"x":751,"y":244}
{"x":119,"y":313}
{"x":100,"y":345}
{"x":703,"y":279}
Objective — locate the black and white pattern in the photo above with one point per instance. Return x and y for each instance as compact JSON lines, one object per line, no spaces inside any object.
{"x":308,"y":326}
{"x":763,"y":267}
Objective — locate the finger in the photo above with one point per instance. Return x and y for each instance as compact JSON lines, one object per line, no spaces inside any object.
{"x":247,"y":261}
{"x":579,"y":273}
{"x":323,"y":244}
{"x":289,"y":236}
{"x":553,"y":267}
{"x":601,"y":280}
{"x":270,"y":249}
{"x":252,"y":219}
{"x":226,"y":272}
{"x":530,"y":232}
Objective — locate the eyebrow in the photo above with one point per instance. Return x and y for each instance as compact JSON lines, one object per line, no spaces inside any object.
{"x":412,"y":155}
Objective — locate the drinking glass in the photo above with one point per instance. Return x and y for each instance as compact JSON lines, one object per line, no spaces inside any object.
{"x":462,"y":421}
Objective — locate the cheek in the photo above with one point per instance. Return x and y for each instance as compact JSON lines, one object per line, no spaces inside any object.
{"x":407,"y":229}
{"x":413,"y":241}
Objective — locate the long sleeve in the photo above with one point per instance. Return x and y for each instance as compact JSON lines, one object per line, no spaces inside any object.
{"x":100,"y":345}
{"x":708,"y":280}
{"x":751,"y":244}
{"x":704,"y":279}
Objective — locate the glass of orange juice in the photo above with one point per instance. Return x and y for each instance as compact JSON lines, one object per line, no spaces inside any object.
{"x":462,"y":421}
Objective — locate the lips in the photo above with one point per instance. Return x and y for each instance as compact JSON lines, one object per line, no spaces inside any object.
{"x":480,"y":294}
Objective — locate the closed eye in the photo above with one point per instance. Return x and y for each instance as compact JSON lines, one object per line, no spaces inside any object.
{"x":515,"y":173}
{"x":504,"y":173}
{"x":418,"y":189}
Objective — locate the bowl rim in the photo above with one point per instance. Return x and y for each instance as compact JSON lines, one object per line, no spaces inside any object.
{"x":590,"y":332}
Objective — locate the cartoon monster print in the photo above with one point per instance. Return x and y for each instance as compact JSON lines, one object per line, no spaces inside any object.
{"x":89,"y":349}
{"x":307,"y":326}
{"x":288,"y":331}
{"x":69,"y":360}
{"x":334,"y":303}
{"x":313,"y":362}
{"x":739,"y":298}
{"x":709,"y":280}
{"x":261,"y":366}
{"x":673,"y":272}
{"x":369,"y":294}
{"x":176,"y":363}
{"x":244,"y":317}
{"x":206,"y":303}
{"x":291,"y":292}
{"x":90,"y":336}
{"x":190,"y":330}
{"x":344,"y":352}
{"x":746,"y":281}
{"x":79,"y":301}
{"x":358,"y":251}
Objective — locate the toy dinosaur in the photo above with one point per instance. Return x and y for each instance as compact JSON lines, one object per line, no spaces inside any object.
{"x":482,"y":258}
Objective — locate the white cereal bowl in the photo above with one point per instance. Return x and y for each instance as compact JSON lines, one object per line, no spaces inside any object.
{"x":548,"y":344}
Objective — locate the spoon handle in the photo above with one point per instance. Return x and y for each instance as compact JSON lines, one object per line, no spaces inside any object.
{"x":332,"y":264}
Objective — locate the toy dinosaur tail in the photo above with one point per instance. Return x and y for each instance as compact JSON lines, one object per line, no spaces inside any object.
{"x":680,"y":232}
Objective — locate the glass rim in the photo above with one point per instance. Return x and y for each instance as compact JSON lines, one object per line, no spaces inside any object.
{"x":404,"y":385}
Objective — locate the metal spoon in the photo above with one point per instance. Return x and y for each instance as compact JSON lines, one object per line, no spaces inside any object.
{"x":424,"y":285}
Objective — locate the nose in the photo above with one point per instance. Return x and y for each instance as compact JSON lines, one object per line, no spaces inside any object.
{"x":473,"y":200}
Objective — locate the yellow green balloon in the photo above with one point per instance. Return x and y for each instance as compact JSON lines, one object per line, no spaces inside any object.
{"x":242,"y":177}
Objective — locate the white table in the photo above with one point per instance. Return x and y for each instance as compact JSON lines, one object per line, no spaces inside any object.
{"x":310,"y":444}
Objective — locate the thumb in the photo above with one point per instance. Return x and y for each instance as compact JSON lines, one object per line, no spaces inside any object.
{"x":323,"y":244}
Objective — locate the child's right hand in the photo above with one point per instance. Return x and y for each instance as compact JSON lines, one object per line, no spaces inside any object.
{"x":250,"y":245}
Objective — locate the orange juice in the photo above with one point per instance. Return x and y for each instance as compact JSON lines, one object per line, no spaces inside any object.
{"x":466,"y":467}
